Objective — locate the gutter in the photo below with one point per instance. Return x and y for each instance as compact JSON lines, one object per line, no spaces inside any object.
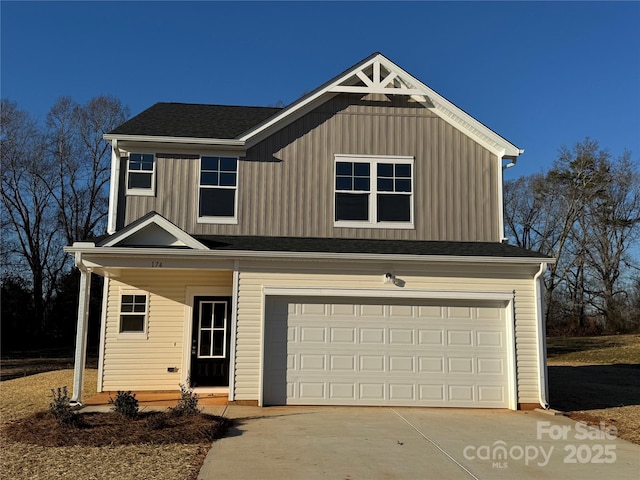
{"x":543,"y":384}
{"x":88,"y":248}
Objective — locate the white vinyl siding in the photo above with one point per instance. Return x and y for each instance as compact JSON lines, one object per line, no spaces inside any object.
{"x":254,"y":277}
{"x":135,"y":363}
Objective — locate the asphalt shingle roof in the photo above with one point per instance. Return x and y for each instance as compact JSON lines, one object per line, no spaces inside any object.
{"x":195,"y":120}
{"x":349,"y":245}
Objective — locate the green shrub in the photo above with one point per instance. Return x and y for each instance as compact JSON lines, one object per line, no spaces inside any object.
{"x":60,"y":407}
{"x":188,"y":403}
{"x":125,"y":404}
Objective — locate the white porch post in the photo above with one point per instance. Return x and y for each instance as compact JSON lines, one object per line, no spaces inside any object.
{"x":81,"y":333}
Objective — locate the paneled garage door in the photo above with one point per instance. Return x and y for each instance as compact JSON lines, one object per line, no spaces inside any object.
{"x":378,"y":352}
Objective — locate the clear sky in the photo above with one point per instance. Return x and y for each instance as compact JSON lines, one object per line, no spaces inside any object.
{"x":541,"y":74}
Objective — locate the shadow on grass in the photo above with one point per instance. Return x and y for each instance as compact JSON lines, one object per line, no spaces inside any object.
{"x":592,"y":387}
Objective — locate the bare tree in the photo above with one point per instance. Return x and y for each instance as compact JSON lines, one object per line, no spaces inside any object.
{"x":585,"y":212}
{"x":82,"y":162}
{"x":29,"y":210}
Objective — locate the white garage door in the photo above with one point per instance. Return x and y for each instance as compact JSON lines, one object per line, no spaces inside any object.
{"x":384,"y":352}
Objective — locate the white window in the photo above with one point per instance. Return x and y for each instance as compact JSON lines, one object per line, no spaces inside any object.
{"x":217,"y":192}
{"x":141,"y":172}
{"x":133,"y":313}
{"x":373,"y":191}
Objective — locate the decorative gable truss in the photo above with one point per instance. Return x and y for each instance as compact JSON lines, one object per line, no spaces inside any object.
{"x":378,"y":74}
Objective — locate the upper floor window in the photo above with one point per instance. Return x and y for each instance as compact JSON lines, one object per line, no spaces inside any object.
{"x":373,"y":191}
{"x":217,"y":193}
{"x":141,"y":170}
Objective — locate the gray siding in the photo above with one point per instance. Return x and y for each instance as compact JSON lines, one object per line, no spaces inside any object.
{"x":286,"y":181}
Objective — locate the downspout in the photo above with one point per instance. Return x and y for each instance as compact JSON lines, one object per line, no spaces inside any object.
{"x":543,"y":383}
{"x":501,"y":168}
{"x":113,"y":187}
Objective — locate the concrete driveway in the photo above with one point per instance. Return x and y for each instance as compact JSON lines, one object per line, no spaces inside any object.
{"x":350,"y":443}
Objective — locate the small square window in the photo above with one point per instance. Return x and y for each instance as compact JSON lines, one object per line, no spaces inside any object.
{"x":133,"y":313}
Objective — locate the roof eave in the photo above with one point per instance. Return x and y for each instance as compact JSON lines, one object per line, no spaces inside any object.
{"x":87,"y":248}
{"x":224,"y":142}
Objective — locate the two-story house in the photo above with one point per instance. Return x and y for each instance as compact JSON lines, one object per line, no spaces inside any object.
{"x":345,"y":250}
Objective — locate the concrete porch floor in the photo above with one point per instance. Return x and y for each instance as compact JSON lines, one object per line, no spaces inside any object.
{"x":159,"y":398}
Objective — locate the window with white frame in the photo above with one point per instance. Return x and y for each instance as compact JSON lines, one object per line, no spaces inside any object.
{"x":373,"y":191}
{"x":133,"y":313}
{"x":217,"y":193}
{"x":141,"y":171}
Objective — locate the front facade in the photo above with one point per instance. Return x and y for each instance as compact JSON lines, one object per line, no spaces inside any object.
{"x":345,"y":250}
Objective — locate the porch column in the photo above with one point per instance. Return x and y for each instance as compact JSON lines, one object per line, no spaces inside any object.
{"x":81,"y":334}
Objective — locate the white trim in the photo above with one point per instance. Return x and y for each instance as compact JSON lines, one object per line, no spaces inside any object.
{"x":262,"y":306}
{"x":355,"y":293}
{"x":141,"y":192}
{"x":103,"y":331}
{"x":403,"y":84}
{"x":82,"y":326}
{"x":192,"y":291}
{"x":230,"y":220}
{"x":373,"y":161}
{"x":166,"y":139}
{"x":388,"y":293}
{"x":500,"y":177}
{"x":133,"y":254}
{"x":512,"y":368}
{"x":134,"y":291}
{"x":161,"y":222}
{"x":234,"y":330}
{"x":541,"y":337}
{"x":113,"y":188}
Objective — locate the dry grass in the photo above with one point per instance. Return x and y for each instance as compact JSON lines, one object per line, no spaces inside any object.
{"x":603,"y":350}
{"x":22,"y":397}
{"x":595,"y":372}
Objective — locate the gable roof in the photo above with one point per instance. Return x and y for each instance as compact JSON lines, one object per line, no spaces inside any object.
{"x":151,"y":230}
{"x":245,"y":126}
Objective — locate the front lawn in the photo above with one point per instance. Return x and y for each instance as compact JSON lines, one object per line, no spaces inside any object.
{"x":597,"y":379}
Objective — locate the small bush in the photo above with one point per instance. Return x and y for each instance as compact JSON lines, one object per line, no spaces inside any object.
{"x":188,"y":403}
{"x":60,"y":407}
{"x":125,"y":404}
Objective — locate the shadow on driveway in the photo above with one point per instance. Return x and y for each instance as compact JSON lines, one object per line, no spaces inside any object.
{"x":592,"y":387}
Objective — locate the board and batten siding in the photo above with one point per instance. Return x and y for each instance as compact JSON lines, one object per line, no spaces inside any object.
{"x":286,"y":182}
{"x":254,"y":277}
{"x":135,"y":363}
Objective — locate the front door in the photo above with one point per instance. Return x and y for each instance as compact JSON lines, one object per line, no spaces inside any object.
{"x":210,"y":342}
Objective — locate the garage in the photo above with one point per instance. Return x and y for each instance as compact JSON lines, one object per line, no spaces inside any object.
{"x":393,"y":352}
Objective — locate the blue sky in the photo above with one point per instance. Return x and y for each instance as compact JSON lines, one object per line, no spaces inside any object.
{"x":542,"y":74}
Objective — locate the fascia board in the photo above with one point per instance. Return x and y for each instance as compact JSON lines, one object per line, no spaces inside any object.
{"x":224,"y":142}
{"x":161,"y":222}
{"x":311,"y":256}
{"x":288,"y":114}
{"x":459,"y":118}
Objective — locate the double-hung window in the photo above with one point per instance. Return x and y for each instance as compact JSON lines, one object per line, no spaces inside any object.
{"x":372,"y":191}
{"x":217,"y":192}
{"x":141,"y":171}
{"x":133,"y":313}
